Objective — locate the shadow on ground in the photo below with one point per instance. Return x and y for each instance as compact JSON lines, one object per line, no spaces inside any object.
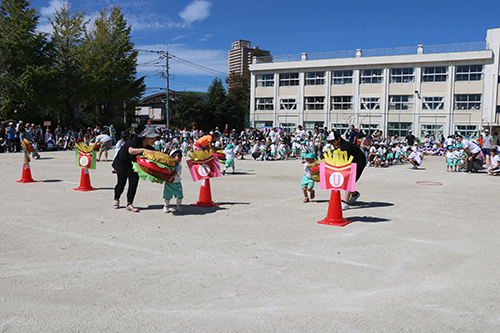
{"x":367,"y":219}
{"x":195,"y":210}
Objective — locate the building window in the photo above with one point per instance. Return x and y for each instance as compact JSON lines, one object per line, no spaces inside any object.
{"x":402,"y":75}
{"x":264,"y":104}
{"x":434,"y":74}
{"x":437,"y":130}
{"x":314,"y":103}
{"x":289,"y":79}
{"x":310,"y":125}
{"x":288,"y":127}
{"x":432,"y":103}
{"x":315,"y":78}
{"x":469,"y":73}
{"x":341,"y":128}
{"x":265,"y":80}
{"x":370,"y":103}
{"x":467,"y":131}
{"x":260,"y":124}
{"x":342,"y":77}
{"x":401,"y":103}
{"x":342,"y":103}
{"x":371,"y":76}
{"x":369,"y":129}
{"x":288,"y":104}
{"x":468,"y":102}
{"x":400,"y":129}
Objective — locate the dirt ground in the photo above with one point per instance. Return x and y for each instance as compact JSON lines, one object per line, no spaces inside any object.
{"x":417,"y":258}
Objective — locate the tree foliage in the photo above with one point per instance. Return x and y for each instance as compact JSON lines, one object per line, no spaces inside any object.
{"x":110,"y":66}
{"x":68,"y":40}
{"x":25,"y":61}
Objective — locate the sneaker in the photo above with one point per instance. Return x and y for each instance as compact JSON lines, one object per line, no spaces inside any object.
{"x":354,"y":197}
{"x":223,"y":172}
{"x":116,"y":204}
{"x":306,"y":200}
{"x":179,"y":209}
{"x":414,"y":168}
{"x":132,"y":208}
{"x":313,"y":194}
{"x":166,"y":209}
{"x":345,"y":206}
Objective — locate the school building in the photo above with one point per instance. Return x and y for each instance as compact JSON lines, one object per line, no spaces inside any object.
{"x":440,"y":89}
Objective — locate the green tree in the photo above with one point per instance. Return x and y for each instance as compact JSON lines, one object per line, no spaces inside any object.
{"x":216,"y":110}
{"x":238,"y":93}
{"x":68,"y":39}
{"x":188,"y":110}
{"x":25,"y":69}
{"x":110,"y":67}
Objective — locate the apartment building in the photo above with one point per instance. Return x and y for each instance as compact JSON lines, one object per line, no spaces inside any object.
{"x":240,"y":56}
{"x":440,"y":89}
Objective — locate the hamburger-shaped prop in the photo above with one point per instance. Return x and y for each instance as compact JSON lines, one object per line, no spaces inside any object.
{"x":156,"y":166}
{"x":315,"y":170}
{"x":221,"y":156}
{"x":27,"y":146}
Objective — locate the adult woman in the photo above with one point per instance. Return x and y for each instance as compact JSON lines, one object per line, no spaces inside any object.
{"x":317,"y":142}
{"x":123,"y":165}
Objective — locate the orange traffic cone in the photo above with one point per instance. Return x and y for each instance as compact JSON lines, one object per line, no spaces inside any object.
{"x":26,"y":178}
{"x":205,"y":199}
{"x":334,"y":216}
{"x":85,"y":181}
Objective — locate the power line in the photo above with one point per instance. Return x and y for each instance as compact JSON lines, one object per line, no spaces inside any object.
{"x":192,"y":64}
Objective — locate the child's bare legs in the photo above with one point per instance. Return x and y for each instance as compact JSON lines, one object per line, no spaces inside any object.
{"x":306,"y":196}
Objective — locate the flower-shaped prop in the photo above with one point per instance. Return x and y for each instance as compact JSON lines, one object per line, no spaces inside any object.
{"x":155,"y":166}
{"x":85,"y":159}
{"x":204,"y":165}
{"x":337,"y":173}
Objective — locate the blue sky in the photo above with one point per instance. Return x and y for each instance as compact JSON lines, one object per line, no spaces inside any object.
{"x":201,"y":31}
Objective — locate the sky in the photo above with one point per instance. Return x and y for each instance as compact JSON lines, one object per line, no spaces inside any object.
{"x":198,"y":33}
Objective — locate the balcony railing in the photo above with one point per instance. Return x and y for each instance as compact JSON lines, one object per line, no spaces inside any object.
{"x":395,"y":51}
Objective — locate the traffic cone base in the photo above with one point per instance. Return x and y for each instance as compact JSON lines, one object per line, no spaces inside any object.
{"x":26,"y":178}
{"x":85,"y":182}
{"x":334,"y":216}
{"x":205,"y":199}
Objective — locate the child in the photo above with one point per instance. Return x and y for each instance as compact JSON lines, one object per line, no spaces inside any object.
{"x":230,"y":156}
{"x":449,"y":159}
{"x":184,"y":146}
{"x":307,"y":183}
{"x":240,"y":151}
{"x":457,"y":158}
{"x":282,"y":150}
{"x":273,"y":151}
{"x":494,"y":168}
{"x":173,"y":186}
{"x":263,"y":148}
{"x":397,"y":154}
{"x":303,"y":151}
{"x":390,"y":154}
{"x":295,"y":148}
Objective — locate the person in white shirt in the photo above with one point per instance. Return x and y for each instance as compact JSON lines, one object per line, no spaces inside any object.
{"x":106,"y":143}
{"x":413,"y":158}
{"x":494,"y":168}
{"x":230,"y":156}
{"x":256,"y":151}
{"x":487,"y":143}
{"x":470,"y":149}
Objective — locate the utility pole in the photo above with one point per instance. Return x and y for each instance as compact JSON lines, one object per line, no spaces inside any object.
{"x":167,"y":99}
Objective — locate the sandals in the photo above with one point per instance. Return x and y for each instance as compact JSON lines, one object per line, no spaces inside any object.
{"x":306,"y":200}
{"x":132,"y":208}
{"x":313,"y":194}
{"x":116,"y":204}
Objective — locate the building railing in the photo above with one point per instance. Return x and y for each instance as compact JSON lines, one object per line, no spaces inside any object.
{"x":420,"y":49}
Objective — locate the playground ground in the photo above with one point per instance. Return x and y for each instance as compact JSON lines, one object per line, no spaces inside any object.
{"x":416,"y":258}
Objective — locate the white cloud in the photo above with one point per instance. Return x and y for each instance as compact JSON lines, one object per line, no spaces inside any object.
{"x":150,"y":22}
{"x":46,"y":12}
{"x":195,"y":11}
{"x":52,"y":7}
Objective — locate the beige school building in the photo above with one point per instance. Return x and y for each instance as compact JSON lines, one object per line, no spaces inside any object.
{"x":439,"y":89}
